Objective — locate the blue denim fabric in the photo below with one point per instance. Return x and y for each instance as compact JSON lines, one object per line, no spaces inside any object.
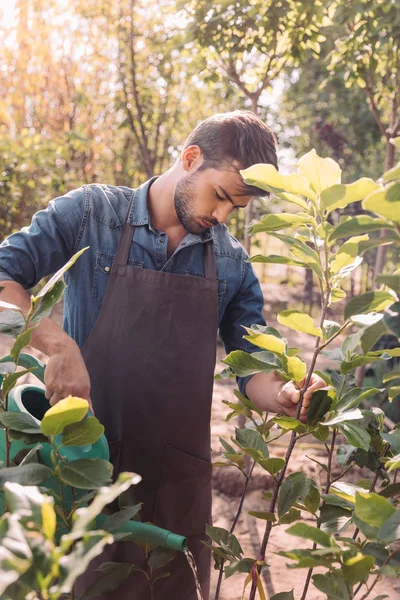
{"x":93,"y":215}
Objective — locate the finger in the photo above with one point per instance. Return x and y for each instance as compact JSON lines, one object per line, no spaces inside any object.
{"x":55,"y":398}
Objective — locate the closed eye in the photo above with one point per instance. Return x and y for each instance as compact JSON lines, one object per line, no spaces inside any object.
{"x":220,"y":198}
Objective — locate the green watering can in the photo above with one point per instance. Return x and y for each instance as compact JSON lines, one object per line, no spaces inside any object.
{"x":30,"y":399}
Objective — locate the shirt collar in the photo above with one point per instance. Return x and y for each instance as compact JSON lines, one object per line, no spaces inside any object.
{"x":139,"y":214}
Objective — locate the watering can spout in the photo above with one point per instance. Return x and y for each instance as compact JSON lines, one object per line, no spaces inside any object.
{"x":146,"y":533}
{"x":31,"y":400}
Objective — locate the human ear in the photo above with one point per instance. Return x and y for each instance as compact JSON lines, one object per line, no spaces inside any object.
{"x":192,"y":158}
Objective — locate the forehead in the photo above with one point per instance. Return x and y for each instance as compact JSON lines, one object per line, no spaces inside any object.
{"x":231,"y":181}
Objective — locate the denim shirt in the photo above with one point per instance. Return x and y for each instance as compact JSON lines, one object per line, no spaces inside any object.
{"x":93,"y":215}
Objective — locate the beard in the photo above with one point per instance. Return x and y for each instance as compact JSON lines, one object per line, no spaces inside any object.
{"x":184,"y":202}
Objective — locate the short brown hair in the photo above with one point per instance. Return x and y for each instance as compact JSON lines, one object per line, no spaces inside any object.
{"x":235,"y":137}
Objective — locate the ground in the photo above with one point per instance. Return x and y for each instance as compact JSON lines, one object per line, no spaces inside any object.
{"x":228,"y":483}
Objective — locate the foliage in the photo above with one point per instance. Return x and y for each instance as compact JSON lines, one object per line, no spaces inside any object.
{"x":337,"y":413}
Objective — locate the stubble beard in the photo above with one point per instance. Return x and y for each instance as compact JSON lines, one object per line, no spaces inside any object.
{"x":184,"y":201}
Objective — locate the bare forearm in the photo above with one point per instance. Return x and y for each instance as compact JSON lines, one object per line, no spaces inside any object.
{"x":47,"y":337}
{"x":263,"y":390}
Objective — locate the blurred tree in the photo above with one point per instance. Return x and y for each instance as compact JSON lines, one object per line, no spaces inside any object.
{"x":250,"y":43}
{"x":368,"y":56}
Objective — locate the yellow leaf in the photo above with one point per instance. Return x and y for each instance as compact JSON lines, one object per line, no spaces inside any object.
{"x":339,"y":196}
{"x":267,"y":178}
{"x":322,"y":173}
{"x":266,"y":342}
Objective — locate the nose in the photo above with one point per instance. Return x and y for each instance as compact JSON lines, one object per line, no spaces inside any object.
{"x":221,"y":213}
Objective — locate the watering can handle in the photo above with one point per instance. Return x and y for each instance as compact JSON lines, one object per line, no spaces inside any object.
{"x":28,"y":361}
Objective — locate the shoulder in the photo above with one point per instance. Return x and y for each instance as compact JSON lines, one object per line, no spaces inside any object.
{"x":225,"y":244}
{"x":108,"y":203}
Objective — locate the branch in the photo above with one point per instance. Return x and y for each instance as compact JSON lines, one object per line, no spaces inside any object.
{"x":375,"y":112}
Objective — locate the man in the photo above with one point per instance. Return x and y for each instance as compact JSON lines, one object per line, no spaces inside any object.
{"x":141,"y":314}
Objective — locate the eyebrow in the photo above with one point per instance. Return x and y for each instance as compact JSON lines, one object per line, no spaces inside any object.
{"x":230,"y":199}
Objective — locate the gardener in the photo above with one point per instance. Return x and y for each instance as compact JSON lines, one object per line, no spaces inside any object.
{"x":141,"y":313}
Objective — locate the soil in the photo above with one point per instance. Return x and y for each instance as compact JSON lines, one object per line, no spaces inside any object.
{"x":228,"y":482}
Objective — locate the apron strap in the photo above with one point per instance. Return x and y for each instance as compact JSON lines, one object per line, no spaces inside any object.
{"x":125,"y":241}
{"x":121,"y":259}
{"x":210,"y":270}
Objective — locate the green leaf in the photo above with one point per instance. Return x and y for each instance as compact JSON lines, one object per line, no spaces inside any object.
{"x":383,"y":202}
{"x":357,"y":568}
{"x":372,"y":334}
{"x":390,"y":529}
{"x":220,"y":535}
{"x":244,"y":364}
{"x":334,"y":519}
{"x":160,"y":557}
{"x":85,"y":515}
{"x":22,"y":340}
{"x":299,"y":321}
{"x":239,"y":566}
{"x":322,"y":173}
{"x":87,"y":473}
{"x":347,"y":255}
{"x":266,"y":516}
{"x":57,"y":276}
{"x":340,"y":195}
{"x":393,"y":439}
{"x":368,"y":302}
{"x":390,"y":490}
{"x":118,"y":519}
{"x":276,"y":222}
{"x":372,"y":508}
{"x":250,"y":439}
{"x":29,"y":474}
{"x":289,"y":423}
{"x":66,"y":411}
{"x":84,"y":432}
{"x":267,"y":178}
{"x":356,"y":435}
{"x":310,"y":533}
{"x":277,"y":260}
{"x":283,"y":596}
{"x":17,"y":421}
{"x":333,"y":585}
{"x":392,"y":281}
{"x":12,"y":322}
{"x":311,"y":496}
{"x":357,"y":225}
{"x":110,"y":581}
{"x":392,"y":318}
{"x":51,"y":298}
{"x":10,"y":380}
{"x":272,"y":465}
{"x":349,"y":415}
{"x":353,"y":396}
{"x":319,"y":405}
{"x":393,"y":463}
{"x":292,"y":488}
{"x":336,"y":295}
{"x":293,"y":514}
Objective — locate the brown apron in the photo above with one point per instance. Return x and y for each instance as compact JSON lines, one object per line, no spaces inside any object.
{"x":151,"y":358}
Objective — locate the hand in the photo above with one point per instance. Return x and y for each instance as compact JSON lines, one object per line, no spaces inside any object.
{"x":289,"y":396}
{"x":66,"y":375}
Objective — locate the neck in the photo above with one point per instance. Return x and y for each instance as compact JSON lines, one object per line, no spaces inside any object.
{"x":161,"y":206}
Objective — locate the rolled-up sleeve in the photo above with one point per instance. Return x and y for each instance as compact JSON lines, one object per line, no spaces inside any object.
{"x":44,"y":246}
{"x":244,"y":309}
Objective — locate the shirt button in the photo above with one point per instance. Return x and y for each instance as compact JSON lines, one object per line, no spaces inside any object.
{"x":161,"y":241}
{"x":107,"y":269}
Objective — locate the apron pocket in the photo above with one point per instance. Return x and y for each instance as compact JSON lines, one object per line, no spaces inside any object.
{"x":183,"y":503}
